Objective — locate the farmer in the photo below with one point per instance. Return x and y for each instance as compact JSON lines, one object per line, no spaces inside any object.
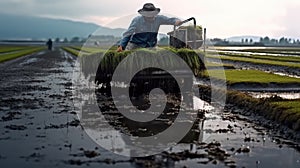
{"x":143,"y":30}
{"x":49,"y":44}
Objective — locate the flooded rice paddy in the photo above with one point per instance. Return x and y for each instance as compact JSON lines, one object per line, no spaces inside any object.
{"x":40,"y":127}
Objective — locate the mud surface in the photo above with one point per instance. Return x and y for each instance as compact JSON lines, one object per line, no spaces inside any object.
{"x":39,"y":127}
{"x":38,"y":123}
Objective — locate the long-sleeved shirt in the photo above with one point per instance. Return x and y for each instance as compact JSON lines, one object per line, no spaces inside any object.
{"x":143,"y":32}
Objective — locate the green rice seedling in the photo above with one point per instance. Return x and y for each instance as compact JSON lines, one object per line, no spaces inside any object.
{"x":4,"y":49}
{"x":250,"y":76}
{"x":10,"y":56}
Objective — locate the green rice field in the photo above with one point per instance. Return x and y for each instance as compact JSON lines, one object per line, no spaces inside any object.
{"x":9,"y":53}
{"x":250,"y":76}
{"x":261,"y":61}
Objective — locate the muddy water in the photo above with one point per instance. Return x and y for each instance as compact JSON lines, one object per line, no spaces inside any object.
{"x":39,"y":127}
{"x":284,"y":95}
{"x":284,"y":74}
{"x":38,"y":122}
{"x":264,"y":150}
{"x":239,"y":50}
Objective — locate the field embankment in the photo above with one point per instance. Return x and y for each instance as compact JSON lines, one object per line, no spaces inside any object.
{"x":285,"y":112}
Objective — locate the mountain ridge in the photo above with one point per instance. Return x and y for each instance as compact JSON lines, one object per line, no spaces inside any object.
{"x":30,"y":27}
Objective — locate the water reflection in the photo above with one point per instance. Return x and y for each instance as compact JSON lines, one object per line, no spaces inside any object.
{"x":113,"y":137}
{"x":216,"y":139}
{"x":284,"y":95}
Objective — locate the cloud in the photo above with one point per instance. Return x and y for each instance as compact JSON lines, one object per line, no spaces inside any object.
{"x":68,"y":8}
{"x":221,"y":18}
{"x":289,"y":22}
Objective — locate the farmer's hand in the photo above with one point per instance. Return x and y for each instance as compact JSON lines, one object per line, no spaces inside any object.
{"x":119,"y":49}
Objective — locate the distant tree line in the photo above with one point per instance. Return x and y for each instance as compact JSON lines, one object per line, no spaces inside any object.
{"x":282,"y":40}
{"x":77,"y":39}
{"x":72,"y":40}
{"x":218,"y":41}
{"x":263,"y":41}
{"x":271,"y":41}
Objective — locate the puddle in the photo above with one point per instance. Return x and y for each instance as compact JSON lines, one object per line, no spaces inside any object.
{"x":247,"y":53}
{"x":239,"y":50}
{"x":28,"y":61}
{"x":284,"y":95}
{"x":285,"y":74}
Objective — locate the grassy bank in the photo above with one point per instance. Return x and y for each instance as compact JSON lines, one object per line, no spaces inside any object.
{"x":288,"y":112}
{"x":10,"y":56}
{"x":285,"y":112}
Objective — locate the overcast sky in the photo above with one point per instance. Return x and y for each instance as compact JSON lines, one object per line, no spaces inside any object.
{"x":222,"y":18}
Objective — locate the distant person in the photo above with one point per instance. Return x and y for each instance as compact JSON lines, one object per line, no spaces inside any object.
{"x":49,"y":44}
{"x":143,"y":30}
